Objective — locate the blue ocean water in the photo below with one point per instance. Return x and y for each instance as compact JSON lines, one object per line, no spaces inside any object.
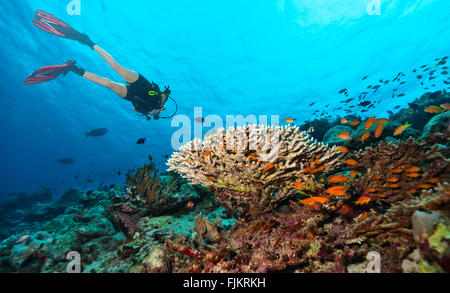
{"x":272,"y":57}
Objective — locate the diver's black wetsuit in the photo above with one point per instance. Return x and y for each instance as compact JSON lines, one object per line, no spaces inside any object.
{"x":138,"y":94}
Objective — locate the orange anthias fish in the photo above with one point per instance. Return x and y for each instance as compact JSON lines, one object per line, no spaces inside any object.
{"x":434,"y":180}
{"x":344,"y":135}
{"x":269,"y":167}
{"x":369,"y":122}
{"x":345,"y":209}
{"x":289,"y":120}
{"x":298,"y":184}
{"x":397,"y":171}
{"x":351,"y":162}
{"x":208,"y":152}
{"x":446,"y":106}
{"x":365,"y":136}
{"x":434,"y":110}
{"x":315,"y":171}
{"x":363,"y":217}
{"x":336,"y":190}
{"x":320,"y":199}
{"x":371,"y":190}
{"x":413,"y":169}
{"x":355,"y":123}
{"x":424,"y":186}
{"x":400,"y":129}
{"x":210,"y":179}
{"x":337,"y":179}
{"x":354,"y":173}
{"x":343,"y":149}
{"x":308,"y":201}
{"x":363,"y":200}
{"x":413,"y":174}
{"x":392,"y":179}
{"x":344,"y":121}
{"x":378,"y":130}
{"x":380,"y":122}
{"x":315,"y":199}
{"x":394,"y":185}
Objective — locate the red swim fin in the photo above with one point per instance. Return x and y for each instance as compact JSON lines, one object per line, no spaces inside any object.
{"x":53,"y":25}
{"x":48,"y":73}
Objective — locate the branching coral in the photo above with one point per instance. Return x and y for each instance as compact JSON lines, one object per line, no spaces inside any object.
{"x":391,"y":172}
{"x":252,"y":168}
{"x":146,"y":182}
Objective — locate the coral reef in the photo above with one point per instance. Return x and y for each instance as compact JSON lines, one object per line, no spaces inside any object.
{"x":234,"y":163}
{"x":256,"y":199}
{"x":337,"y":222}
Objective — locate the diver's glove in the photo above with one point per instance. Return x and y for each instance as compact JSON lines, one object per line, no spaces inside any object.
{"x":167,"y":91}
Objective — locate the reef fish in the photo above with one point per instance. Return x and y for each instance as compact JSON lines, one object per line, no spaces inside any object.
{"x":434,"y":109}
{"x":399,"y":130}
{"x":378,"y":130}
{"x":289,"y":120}
{"x":97,"y":132}
{"x":434,"y":180}
{"x":424,"y":186}
{"x":269,"y":167}
{"x":354,"y":173}
{"x":298,"y":184}
{"x":314,"y":199}
{"x":355,"y":123}
{"x":66,"y":161}
{"x":413,"y":169}
{"x":141,"y":140}
{"x":344,"y":135}
{"x":362,"y":200}
{"x":351,"y":162}
{"x":336,"y":190}
{"x":23,"y":238}
{"x":343,"y":149}
{"x":413,"y":174}
{"x":369,"y":122}
{"x":337,"y":179}
{"x":365,"y":136}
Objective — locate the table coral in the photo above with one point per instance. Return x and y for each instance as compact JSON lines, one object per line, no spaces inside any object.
{"x":253,"y":168}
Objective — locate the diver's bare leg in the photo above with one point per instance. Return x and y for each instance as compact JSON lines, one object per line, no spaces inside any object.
{"x":128,"y":75}
{"x":116,"y":87}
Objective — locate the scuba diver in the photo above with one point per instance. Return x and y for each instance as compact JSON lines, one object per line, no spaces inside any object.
{"x":146,"y":97}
